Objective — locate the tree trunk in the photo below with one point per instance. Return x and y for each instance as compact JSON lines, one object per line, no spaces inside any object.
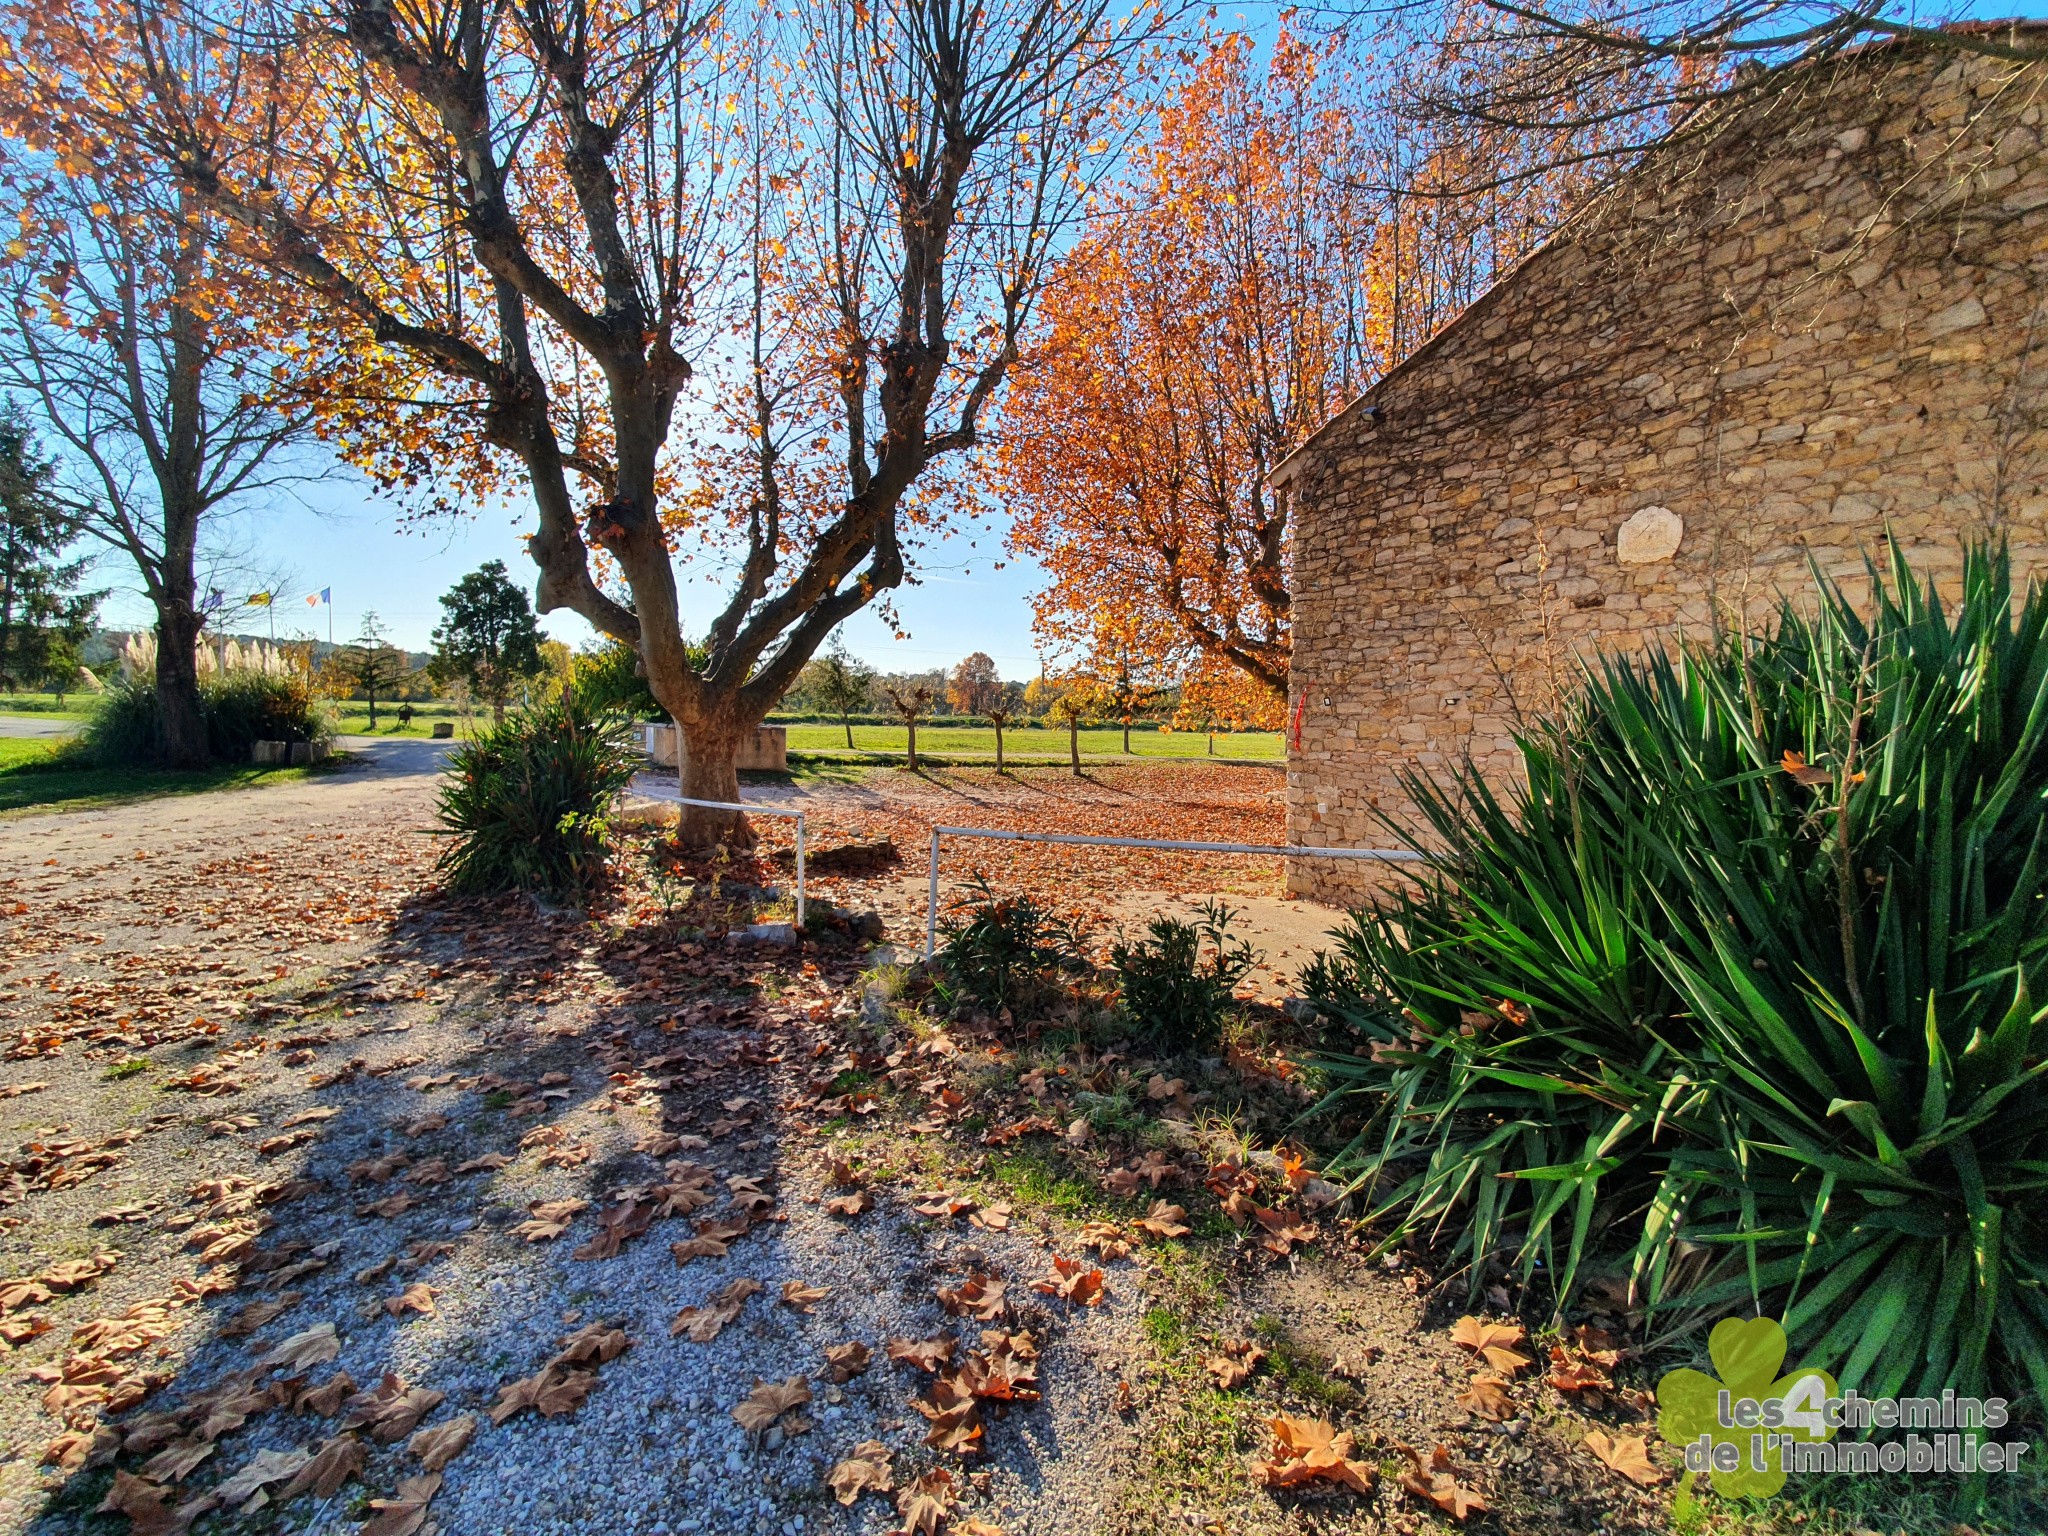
{"x":373,"y":704}
{"x":848,"y":723}
{"x":177,"y":689}
{"x":1212,"y":743}
{"x":710,"y":771}
{"x":913,"y":744}
{"x":999,"y":746}
{"x":1127,"y":735}
{"x":1074,"y":743}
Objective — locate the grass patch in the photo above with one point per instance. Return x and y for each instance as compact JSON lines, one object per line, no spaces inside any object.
{"x":1036,"y":1180}
{"x":121,"y":1069}
{"x":41,"y":776}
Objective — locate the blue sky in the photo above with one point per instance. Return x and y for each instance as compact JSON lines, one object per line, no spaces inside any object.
{"x":339,"y":534}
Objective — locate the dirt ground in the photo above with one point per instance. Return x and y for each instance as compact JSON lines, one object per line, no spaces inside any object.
{"x":329,"y":1205}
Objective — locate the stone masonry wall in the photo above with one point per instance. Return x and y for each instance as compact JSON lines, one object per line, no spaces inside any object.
{"x":1821,"y":329}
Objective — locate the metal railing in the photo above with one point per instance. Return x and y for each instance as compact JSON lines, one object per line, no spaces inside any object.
{"x":1284,"y":850}
{"x":654,"y":793}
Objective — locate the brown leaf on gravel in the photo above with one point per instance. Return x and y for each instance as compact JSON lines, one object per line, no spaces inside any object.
{"x":390,"y":1205}
{"x":1004,"y":1369}
{"x":258,"y":1313}
{"x":1433,"y":1479}
{"x":697,"y":1248}
{"x":246,"y":1485}
{"x":417,"y":1297}
{"x":925,"y":1503}
{"x":955,"y":1417}
{"x":1164,"y":1220}
{"x":1495,"y":1342}
{"x":304,"y":1350}
{"x":441,"y":1444}
{"x":858,"y":1203}
{"x":433,"y":1171}
{"x":1576,"y":1373}
{"x":176,"y":1462}
{"x":77,"y":1448}
{"x":392,"y":1410}
{"x":308,"y":1116}
{"x":591,"y":1345}
{"x":865,"y":1471}
{"x":551,"y":1219}
{"x":405,"y":1511}
{"x":554,"y":1390}
{"x":617,"y":1225}
{"x":145,"y":1504}
{"x":1487,"y":1396}
{"x":1283,"y":1230}
{"x":426,"y":1125}
{"x":488,"y":1162}
{"x":377,"y":1170}
{"x":1233,"y":1364}
{"x":702,"y":1324}
{"x":327,"y":1398}
{"x":335,"y":1461}
{"x":800,"y":1297}
{"x":769,"y":1401}
{"x":981,"y":1297}
{"x":1107,"y":1239}
{"x":843,"y":1362}
{"x":1627,"y":1454}
{"x":925,"y":1354}
{"x":993,"y":1218}
{"x":1309,"y":1450}
{"x":1073,"y":1282}
{"x":17,"y":1331}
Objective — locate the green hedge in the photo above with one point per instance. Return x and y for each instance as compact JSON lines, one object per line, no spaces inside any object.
{"x":239,"y":709}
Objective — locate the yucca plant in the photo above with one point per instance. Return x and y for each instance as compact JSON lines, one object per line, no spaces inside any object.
{"x":527,"y":805}
{"x":1740,"y":984}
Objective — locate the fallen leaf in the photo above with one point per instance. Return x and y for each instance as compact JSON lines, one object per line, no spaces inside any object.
{"x":1164,"y":1220}
{"x":1627,"y":1454}
{"x":441,"y":1444}
{"x":1493,"y":1341}
{"x":145,"y":1504}
{"x":405,"y":1511}
{"x":1233,"y":1366}
{"x":925,"y":1354}
{"x":1434,"y":1481}
{"x":392,"y":1410}
{"x":1487,"y":1396}
{"x":1309,"y":1450}
{"x":176,"y":1461}
{"x":843,"y":1362}
{"x":243,"y":1487}
{"x":702,"y":1324}
{"x":981,"y":1297}
{"x":302,"y":1351}
{"x":865,"y":1471}
{"x":925,"y":1503}
{"x":554,"y":1390}
{"x":417,"y":1297}
{"x":801,"y":1297}
{"x":769,"y":1401}
{"x":1073,"y":1282}
{"x":551,"y":1218}
{"x":488,"y":1162}
{"x":334,"y":1463}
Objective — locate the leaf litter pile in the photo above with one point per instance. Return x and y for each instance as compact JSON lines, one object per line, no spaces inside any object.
{"x":385,"y":1214}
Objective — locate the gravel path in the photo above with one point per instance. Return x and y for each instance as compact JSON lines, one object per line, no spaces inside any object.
{"x":265,"y":1062}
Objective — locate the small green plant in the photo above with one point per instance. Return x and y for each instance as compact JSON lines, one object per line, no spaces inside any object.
{"x":1004,"y":951}
{"x":528,"y":804}
{"x":1179,"y":984}
{"x":128,"y":1068}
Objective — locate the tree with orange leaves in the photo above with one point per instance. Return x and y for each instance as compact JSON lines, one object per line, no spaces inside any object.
{"x":1252,"y":276}
{"x":543,"y":219}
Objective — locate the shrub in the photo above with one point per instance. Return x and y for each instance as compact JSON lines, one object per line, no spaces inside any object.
{"x":239,"y":708}
{"x":1005,"y":951}
{"x":528,"y":803}
{"x":1741,"y":982}
{"x":1178,"y":985}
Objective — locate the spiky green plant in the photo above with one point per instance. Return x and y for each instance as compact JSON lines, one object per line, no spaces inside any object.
{"x":1179,"y":982}
{"x":527,"y":805}
{"x":1740,"y":985}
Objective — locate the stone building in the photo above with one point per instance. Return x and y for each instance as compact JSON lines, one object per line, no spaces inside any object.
{"x":1814,"y":329}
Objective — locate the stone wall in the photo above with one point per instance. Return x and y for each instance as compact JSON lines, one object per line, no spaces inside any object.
{"x":1820,"y":328}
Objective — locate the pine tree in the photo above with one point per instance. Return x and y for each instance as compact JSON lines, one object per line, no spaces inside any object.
{"x":43,"y":616}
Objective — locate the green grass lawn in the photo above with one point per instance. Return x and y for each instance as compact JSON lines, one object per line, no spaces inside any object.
{"x":1032,"y":743}
{"x":33,"y":777}
{"x":352,"y":718}
{"x":74,"y":706}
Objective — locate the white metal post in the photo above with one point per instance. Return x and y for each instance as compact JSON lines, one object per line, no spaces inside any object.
{"x":799,"y":872}
{"x":931,"y":906}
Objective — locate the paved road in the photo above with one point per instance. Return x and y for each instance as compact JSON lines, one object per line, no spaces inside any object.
{"x":35,"y":725}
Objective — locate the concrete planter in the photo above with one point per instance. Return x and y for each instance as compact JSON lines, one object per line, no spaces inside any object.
{"x":268,"y":752}
{"x":765,"y":751}
{"x":277,"y":753}
{"x":444,"y":730}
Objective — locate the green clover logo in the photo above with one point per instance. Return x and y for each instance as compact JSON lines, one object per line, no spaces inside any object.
{"x":1747,"y":1356}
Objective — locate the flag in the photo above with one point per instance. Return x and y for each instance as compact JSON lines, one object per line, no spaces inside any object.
{"x":256,"y":600}
{"x":324,"y":595}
